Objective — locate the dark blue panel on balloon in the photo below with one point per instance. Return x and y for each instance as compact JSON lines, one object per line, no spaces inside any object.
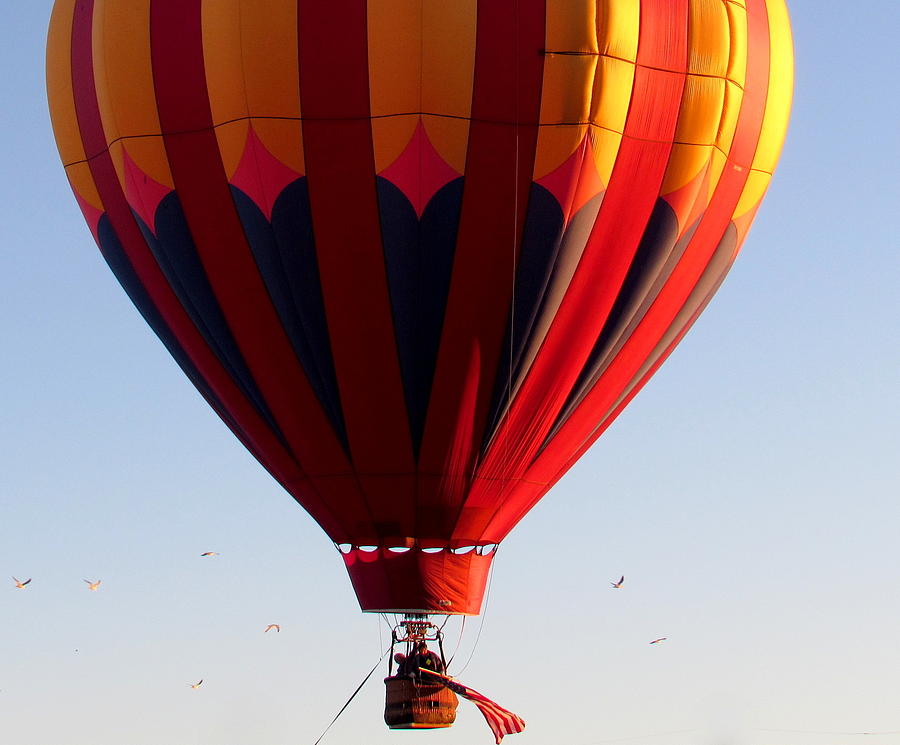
{"x":418,"y":256}
{"x":655,"y":259}
{"x":174,"y":250}
{"x":543,"y":231}
{"x":121,"y":267}
{"x":285,"y":253}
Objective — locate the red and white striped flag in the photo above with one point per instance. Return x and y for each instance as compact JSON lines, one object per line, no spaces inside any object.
{"x":501,"y":721}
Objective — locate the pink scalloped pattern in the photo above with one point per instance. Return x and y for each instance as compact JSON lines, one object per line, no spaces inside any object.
{"x":260,"y":175}
{"x":687,"y":202}
{"x":419,"y":171}
{"x":576,"y":181}
{"x":143,"y":192}
{"x":91,"y":214}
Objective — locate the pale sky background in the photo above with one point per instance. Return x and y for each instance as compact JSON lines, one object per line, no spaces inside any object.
{"x":749,"y":494}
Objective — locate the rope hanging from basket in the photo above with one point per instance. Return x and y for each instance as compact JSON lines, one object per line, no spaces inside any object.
{"x":353,"y":695}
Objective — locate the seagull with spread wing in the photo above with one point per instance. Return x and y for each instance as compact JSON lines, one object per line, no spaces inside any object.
{"x":273,"y":626}
{"x":618,"y":585}
{"x":210,"y":553}
{"x":93,"y":586}
{"x":196,"y":685}
{"x":661,"y":639}
{"x":21,"y":585}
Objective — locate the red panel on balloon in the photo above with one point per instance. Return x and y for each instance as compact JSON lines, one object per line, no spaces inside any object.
{"x":419,"y":581}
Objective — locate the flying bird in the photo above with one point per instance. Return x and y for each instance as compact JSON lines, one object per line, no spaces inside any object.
{"x":21,"y":585}
{"x":196,"y":685}
{"x":273,"y":626}
{"x":93,"y":586}
{"x":210,"y":553}
{"x":661,"y":639}
{"x":618,"y":585}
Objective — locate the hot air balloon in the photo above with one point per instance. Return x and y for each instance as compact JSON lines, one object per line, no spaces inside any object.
{"x":419,"y":255}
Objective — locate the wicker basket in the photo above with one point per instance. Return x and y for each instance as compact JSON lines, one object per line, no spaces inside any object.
{"x":418,"y":706}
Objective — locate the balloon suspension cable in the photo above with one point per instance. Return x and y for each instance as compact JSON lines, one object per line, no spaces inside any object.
{"x":353,"y":696}
{"x":414,"y":629}
{"x":487,"y":599}
{"x":462,"y":628}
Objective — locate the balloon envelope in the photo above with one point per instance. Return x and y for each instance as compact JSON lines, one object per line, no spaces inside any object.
{"x":419,"y":255}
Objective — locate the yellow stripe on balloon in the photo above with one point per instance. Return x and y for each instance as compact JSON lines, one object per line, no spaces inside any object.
{"x":709,"y":40}
{"x":395,"y":75}
{"x":778,"y":108}
{"x":82,"y":183}
{"x":701,"y":110}
{"x":618,"y":28}
{"x":781,"y":85}
{"x":223,"y":59}
{"x":570,"y":68}
{"x":448,"y":69}
{"x":271,"y":74}
{"x":59,"y":83}
{"x":612,"y":95}
{"x":737,"y":38}
{"x":124,"y":82}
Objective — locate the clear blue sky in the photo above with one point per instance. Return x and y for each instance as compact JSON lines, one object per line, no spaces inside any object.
{"x":750,"y":493}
